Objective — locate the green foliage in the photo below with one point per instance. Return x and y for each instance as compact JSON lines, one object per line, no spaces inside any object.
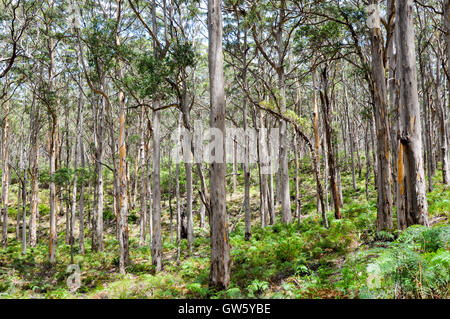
{"x":100,"y":39}
{"x":279,"y":261}
{"x":155,"y":72}
{"x":196,"y":290}
{"x":257,"y":287}
{"x":416,"y":265}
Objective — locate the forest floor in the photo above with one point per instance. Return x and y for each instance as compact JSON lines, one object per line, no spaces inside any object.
{"x":348,"y":260}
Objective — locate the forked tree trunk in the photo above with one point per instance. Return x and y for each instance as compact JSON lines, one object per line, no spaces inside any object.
{"x":351,"y":134}
{"x":328,"y":134}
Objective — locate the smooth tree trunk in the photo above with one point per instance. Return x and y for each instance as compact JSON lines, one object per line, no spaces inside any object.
{"x":178,"y":198}
{"x":235,"y":170}
{"x":20,"y":168}
{"x":24,"y":211}
{"x":218,"y":219}
{"x":75,"y":163}
{"x":53,"y":152}
{"x":97,"y":218}
{"x":52,"y":158}
{"x":156,"y":247}
{"x":316,"y":137}
{"x":142,"y":183}
{"x":271,"y":195}
{"x":367,"y":150}
{"x":5,"y":176}
{"x":149,"y":173}
{"x":81,"y":215}
{"x":286,"y":215}
{"x":123,"y":182}
{"x":123,"y":177}
{"x":262,"y":166}
{"x":296,"y":177}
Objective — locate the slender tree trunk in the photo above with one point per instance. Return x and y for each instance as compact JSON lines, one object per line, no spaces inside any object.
{"x":149,"y":186}
{"x":286,"y":216}
{"x":428,"y":158}
{"x":248,"y":217}
{"x":53,"y":145}
{"x":188,"y":167}
{"x":19,"y":173}
{"x":297,"y":190}
{"x":24,"y":210}
{"x":53,"y":152}
{"x":97,"y":244}
{"x":34,"y":169}
{"x":381,"y":111}
{"x":156,"y":213}
{"x":81,"y":216}
{"x":177,"y":192}
{"x":391,"y":83}
{"x":325,"y":175}
{"x":123,"y":204}
{"x":443,"y":108}
{"x":328,"y":133}
{"x":5,"y":176}
{"x":367,"y":149}
{"x":263,"y":167}
{"x":68,"y":210}
{"x":123,"y":178}
{"x":350,"y":134}
{"x":316,"y":137}
{"x":270,"y":164}
{"x":143,"y":187}
{"x":235,"y":169}
{"x":75,"y":161}
{"x":374,"y":152}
